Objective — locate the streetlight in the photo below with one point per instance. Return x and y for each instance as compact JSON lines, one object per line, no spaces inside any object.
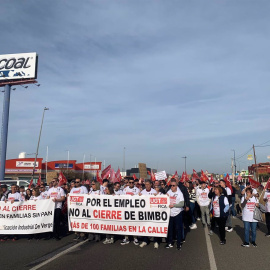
{"x":124,"y":161}
{"x":233,"y":166}
{"x":185,"y":163}
{"x":67,"y":159}
{"x":45,"y":109}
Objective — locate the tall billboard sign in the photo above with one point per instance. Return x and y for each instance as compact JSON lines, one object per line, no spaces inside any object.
{"x":18,"y":66}
{"x":15,"y":69}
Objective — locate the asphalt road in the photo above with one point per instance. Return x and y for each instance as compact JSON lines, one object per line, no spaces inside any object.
{"x":90,"y":255}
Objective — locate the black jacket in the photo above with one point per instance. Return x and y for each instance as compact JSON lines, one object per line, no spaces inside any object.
{"x":185,"y":194}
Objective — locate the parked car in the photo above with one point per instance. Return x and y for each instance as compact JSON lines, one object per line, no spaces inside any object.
{"x":9,"y":183}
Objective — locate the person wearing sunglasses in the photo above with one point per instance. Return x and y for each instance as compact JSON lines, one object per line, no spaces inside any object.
{"x":79,"y":189}
{"x":43,"y":191}
{"x":130,"y":190}
{"x":95,"y":190}
{"x":57,"y":195}
{"x":176,"y":215}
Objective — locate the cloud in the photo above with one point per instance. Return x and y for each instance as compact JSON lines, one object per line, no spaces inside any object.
{"x":160,"y":78}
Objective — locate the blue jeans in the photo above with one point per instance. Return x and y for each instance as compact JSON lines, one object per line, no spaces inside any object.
{"x":247,"y":226}
{"x":232,"y":207}
{"x":191,"y":212}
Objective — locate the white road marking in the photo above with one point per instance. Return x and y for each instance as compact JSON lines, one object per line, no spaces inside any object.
{"x":58,"y":255}
{"x":212,"y":260}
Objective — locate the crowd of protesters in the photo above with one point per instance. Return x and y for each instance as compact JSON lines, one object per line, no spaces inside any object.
{"x":215,"y":205}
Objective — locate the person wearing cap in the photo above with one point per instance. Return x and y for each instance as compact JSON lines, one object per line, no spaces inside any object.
{"x":266,"y":198}
{"x":204,"y":201}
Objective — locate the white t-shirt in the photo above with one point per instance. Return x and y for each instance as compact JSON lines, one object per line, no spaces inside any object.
{"x":23,"y":195}
{"x":15,"y":196}
{"x":216,"y":208}
{"x":79,"y":190}
{"x":131,"y":191}
{"x":202,"y":196}
{"x":247,"y":212}
{"x":228,"y":190}
{"x":175,"y":198}
{"x":98,"y":192}
{"x":36,"y":198}
{"x":150,"y":192}
{"x":44,"y":194}
{"x":102,"y":189}
{"x":118,"y":192}
{"x":267,"y":196}
{"x":57,"y":193}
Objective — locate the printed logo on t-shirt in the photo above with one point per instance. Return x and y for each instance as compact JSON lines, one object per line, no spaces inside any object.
{"x":173,"y":199}
{"x":204,"y":195}
{"x":54,"y":194}
{"x":251,"y":206}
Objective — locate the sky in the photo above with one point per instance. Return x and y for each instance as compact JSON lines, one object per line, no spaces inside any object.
{"x":164,"y":79}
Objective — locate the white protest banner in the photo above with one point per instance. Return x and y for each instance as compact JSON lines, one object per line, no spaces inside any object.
{"x":161,"y":175}
{"x":26,"y":217}
{"x":125,"y":214}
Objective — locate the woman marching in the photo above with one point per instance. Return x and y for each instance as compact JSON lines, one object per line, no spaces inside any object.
{"x":248,"y":204}
{"x":220,"y":209}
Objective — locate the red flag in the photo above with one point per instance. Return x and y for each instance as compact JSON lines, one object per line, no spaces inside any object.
{"x":30,"y":184}
{"x":182,"y":179}
{"x":195,"y":175}
{"x":105,"y":171}
{"x":106,"y":175}
{"x":267,"y":184}
{"x":134,"y":176}
{"x":87,"y":182}
{"x":118,"y":175}
{"x":175,"y":175}
{"x":211,"y":179}
{"x":153,"y":178}
{"x":39,"y":180}
{"x":62,"y":179}
{"x":98,"y":178}
{"x":253,"y":183}
{"x":112,"y":176}
{"x":228,"y":183}
{"x":204,"y":177}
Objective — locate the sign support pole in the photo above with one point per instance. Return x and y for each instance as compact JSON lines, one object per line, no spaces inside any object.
{"x":4,"y":134}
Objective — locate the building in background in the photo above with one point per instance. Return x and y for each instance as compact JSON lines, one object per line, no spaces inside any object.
{"x":22,"y":168}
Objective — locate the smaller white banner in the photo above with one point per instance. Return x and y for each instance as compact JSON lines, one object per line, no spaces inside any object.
{"x":26,"y":217}
{"x":161,"y":175}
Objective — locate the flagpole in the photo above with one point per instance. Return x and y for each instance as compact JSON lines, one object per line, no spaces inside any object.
{"x":47,"y":161}
{"x":83,"y":166}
